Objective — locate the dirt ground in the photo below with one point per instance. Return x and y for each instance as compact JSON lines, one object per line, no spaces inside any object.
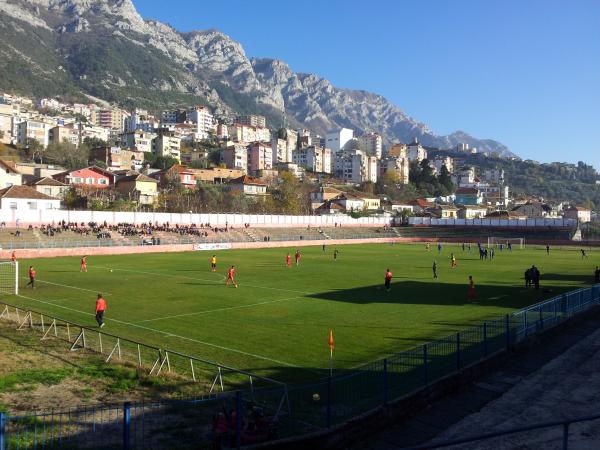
{"x":40,"y":375}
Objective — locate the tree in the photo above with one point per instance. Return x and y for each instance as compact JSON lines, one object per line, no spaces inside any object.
{"x":94,"y":142}
{"x":67,"y":154}
{"x":445,"y":179}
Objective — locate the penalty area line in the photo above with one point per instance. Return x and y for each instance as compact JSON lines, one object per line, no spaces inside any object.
{"x":210,"y":281}
{"x":168,"y":334}
{"x":228,"y":308}
{"x":64,"y":285}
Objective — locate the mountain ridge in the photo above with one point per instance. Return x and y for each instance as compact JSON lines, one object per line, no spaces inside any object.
{"x":207,"y":64}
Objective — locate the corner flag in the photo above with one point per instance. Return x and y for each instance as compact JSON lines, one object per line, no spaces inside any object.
{"x":330,"y":340}
{"x":331,"y":347}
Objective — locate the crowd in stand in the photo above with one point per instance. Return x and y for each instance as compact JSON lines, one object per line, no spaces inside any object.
{"x":255,"y":427}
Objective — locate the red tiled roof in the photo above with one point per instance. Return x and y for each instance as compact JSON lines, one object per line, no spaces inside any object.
{"x":25,"y":192}
{"x":247,"y":179}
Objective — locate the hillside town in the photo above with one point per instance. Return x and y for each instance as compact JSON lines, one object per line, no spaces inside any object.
{"x":134,"y":157}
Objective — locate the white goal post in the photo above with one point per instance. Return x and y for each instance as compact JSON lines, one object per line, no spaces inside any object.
{"x":9,"y":277}
{"x":498,"y":240}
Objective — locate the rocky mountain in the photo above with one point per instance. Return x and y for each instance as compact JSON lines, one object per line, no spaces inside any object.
{"x":104,"y":48}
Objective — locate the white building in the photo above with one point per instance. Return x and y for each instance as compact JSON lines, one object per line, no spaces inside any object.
{"x":337,"y":139}
{"x":400,"y":166}
{"x":494,"y":175}
{"x":235,"y":157}
{"x":313,"y":158}
{"x":356,"y":166}
{"x":246,"y":133}
{"x":416,"y":152}
{"x":251,"y":120}
{"x":26,"y":198}
{"x":204,"y":120}
{"x":167,"y":145}
{"x":34,"y":129}
{"x":372,"y":143}
{"x":139,"y":140}
{"x":439,"y":161}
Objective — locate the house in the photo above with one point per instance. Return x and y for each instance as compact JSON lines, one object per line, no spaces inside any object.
{"x":49,"y":186}
{"x":371,"y":202}
{"x":216,"y":175}
{"x":117,"y":158}
{"x":329,"y":207}
{"x":89,"y":177}
{"x":248,"y":185}
{"x":350,"y":202}
{"x":419,"y":205}
{"x":138,"y":187}
{"x":444,"y":211}
{"x":533,"y":210}
{"x":506,"y":215}
{"x":468,"y":196}
{"x":579,"y":213}
{"x":472,"y":212}
{"x":9,"y":175}
{"x":26,"y":198}
{"x":177,"y":172}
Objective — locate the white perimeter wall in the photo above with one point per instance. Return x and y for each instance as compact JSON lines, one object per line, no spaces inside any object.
{"x":236,"y":220}
{"x":554,"y":223}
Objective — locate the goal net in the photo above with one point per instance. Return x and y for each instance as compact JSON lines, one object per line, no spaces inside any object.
{"x":514,"y":242}
{"x":9,"y":277}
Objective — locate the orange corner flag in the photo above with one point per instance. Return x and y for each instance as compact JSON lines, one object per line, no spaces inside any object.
{"x":330,"y":340}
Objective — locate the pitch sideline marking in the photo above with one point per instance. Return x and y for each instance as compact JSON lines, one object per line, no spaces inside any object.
{"x":210,"y":281}
{"x":64,"y":285}
{"x":219,"y":309}
{"x":167,"y":334}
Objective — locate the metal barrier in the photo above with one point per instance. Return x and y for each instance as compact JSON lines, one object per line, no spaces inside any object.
{"x":213,"y":376}
{"x":295,"y":410}
{"x":564,"y":424}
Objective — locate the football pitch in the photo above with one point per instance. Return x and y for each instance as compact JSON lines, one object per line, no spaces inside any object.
{"x":277,"y":321}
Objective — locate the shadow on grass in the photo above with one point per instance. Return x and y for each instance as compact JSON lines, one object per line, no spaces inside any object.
{"x":407,"y":292}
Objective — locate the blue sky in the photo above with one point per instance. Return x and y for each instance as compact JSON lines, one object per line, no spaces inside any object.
{"x":526,"y":73}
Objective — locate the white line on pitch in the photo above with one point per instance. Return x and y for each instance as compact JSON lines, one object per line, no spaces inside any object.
{"x":167,"y":334}
{"x":64,"y":285}
{"x":218,"y":310}
{"x":210,"y":281}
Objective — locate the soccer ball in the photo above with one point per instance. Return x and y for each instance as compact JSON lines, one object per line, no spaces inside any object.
{"x":316,"y":397}
{"x":111,"y":270}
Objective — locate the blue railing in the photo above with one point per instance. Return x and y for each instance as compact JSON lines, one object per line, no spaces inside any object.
{"x":564,"y":424}
{"x":309,"y":408}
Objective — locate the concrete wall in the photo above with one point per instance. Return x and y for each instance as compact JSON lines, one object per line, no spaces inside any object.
{"x":237,"y":220}
{"x":513,"y":223}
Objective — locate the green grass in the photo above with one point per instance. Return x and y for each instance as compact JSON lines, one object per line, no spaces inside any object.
{"x":277,"y":321}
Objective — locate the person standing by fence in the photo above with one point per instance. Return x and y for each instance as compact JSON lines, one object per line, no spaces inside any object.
{"x":597,"y":275}
{"x":100,"y":309}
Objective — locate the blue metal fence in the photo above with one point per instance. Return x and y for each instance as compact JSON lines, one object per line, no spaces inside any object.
{"x":311,"y":407}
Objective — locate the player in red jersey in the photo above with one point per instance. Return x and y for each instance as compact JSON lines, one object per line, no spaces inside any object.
{"x":297,"y":256}
{"x":388,"y":280}
{"x":31,"y":277}
{"x":13,"y":257}
{"x":230,"y":274}
{"x":471,"y":294}
{"x":83,"y":267}
{"x":288,"y":260}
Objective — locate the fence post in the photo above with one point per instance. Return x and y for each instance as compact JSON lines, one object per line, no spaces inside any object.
{"x":565,"y":443}
{"x":329,"y":401}
{"x":457,"y":351}
{"x":2,"y":430}
{"x":425,"y":366}
{"x":385,"y":381}
{"x":238,"y":419}
{"x":485,"y":349}
{"x":507,"y":331}
{"x":126,"y":425}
